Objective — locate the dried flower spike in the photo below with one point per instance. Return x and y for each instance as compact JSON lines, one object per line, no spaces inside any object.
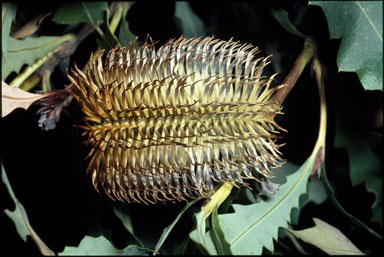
{"x":174,"y":123}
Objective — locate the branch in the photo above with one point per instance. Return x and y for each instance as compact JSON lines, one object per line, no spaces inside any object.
{"x":310,"y":49}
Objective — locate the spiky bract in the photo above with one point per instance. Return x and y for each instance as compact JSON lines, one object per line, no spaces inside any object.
{"x":173,"y":123}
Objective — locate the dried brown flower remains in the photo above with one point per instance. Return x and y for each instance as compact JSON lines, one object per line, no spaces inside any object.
{"x":176,"y":122}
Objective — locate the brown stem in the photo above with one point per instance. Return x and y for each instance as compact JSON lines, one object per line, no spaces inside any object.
{"x":65,"y":50}
{"x":302,"y":60}
{"x":70,"y":46}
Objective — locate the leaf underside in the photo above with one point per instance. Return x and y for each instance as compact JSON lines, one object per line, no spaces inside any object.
{"x":328,"y":238}
{"x":252,"y":227}
{"x":100,"y":246}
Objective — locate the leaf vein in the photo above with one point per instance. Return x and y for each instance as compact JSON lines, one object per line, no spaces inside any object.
{"x":276,"y":205}
{"x":370,"y":21}
{"x":36,"y":47}
{"x":88,"y":14}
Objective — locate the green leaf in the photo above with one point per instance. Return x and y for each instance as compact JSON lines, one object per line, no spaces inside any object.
{"x":359,"y":26}
{"x":182,"y":249}
{"x":365,"y":164}
{"x":100,"y":246}
{"x":125,"y":35}
{"x":8,"y":12}
{"x":20,"y":218}
{"x":222,"y":246}
{"x":199,"y":235}
{"x":328,"y":238}
{"x":192,"y":25}
{"x":109,"y":37}
{"x":123,"y":214}
{"x":76,"y":12}
{"x":340,"y":208}
{"x":102,"y":44}
{"x":27,"y":51}
{"x":295,"y":213}
{"x":167,"y":230}
{"x":282,"y":18}
{"x":253,"y":226}
{"x":202,"y":238}
{"x":316,"y":194}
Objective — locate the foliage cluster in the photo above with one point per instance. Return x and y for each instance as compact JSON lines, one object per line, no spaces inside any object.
{"x":48,"y":202}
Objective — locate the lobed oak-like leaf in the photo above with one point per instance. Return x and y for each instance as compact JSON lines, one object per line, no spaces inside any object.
{"x":20,"y":218}
{"x":252,"y":227}
{"x":359,"y":25}
{"x":12,"y":98}
{"x":100,"y":246}
{"x":328,"y":238}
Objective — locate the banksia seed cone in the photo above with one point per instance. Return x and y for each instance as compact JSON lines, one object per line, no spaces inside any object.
{"x":174,"y":123}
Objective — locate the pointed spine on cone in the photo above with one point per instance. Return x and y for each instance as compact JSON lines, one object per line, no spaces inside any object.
{"x":176,"y":122}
